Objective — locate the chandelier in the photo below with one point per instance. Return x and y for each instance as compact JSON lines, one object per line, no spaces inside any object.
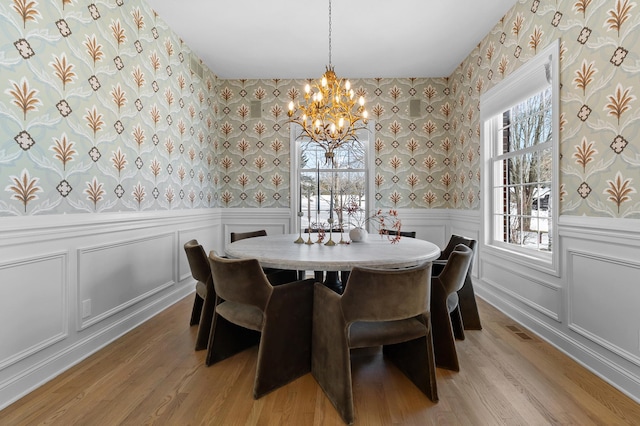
{"x":330,"y":115}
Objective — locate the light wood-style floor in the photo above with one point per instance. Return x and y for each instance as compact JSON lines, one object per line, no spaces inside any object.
{"x":153,"y":376}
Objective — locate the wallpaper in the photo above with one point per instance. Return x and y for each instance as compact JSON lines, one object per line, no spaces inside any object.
{"x":600,"y":84}
{"x":414,"y":155}
{"x":100,"y":112}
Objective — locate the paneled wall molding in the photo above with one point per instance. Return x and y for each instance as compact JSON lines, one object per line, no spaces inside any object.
{"x":601,"y":229}
{"x":503,"y":288}
{"x":47,"y":326}
{"x":627,"y":380}
{"x":31,"y":375}
{"x":41,"y":228}
{"x":129,"y":248}
{"x":80,"y":281}
{"x":620,"y":334}
{"x":596,"y":293}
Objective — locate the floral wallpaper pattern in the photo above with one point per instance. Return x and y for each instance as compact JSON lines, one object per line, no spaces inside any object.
{"x":100,"y":111}
{"x":600,"y":84}
{"x":413,"y":154}
{"x":433,"y":161}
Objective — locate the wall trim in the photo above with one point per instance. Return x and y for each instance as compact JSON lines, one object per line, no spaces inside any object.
{"x":574,"y":349}
{"x":50,"y":367}
{"x":571,"y":254}
{"x":553,"y":315}
{"x":64,"y":329}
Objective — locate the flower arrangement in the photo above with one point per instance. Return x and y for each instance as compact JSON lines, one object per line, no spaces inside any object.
{"x":387,"y":221}
{"x":383,"y":221}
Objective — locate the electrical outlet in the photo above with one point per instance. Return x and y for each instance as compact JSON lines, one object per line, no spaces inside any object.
{"x":86,"y":308}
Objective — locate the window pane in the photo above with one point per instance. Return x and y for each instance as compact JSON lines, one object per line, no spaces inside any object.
{"x":529,"y":122}
{"x":328,"y":183}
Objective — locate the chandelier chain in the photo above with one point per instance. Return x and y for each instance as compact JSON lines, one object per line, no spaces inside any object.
{"x":329,"y":32}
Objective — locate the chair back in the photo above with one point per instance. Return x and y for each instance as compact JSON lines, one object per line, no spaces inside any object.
{"x":453,"y":242}
{"x":235,"y":236}
{"x":240,"y":280}
{"x":198,"y":262}
{"x":455,"y":271}
{"x":387,"y":294}
{"x":408,"y":234}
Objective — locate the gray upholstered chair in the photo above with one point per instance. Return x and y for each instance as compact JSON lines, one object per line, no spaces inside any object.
{"x":467,"y":310}
{"x":379,"y":307}
{"x":408,"y":234}
{"x":275,"y":276}
{"x":444,"y":302}
{"x":249,"y":310}
{"x":205,"y":298}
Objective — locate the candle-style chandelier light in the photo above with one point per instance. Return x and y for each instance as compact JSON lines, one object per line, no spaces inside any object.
{"x":331,"y":115}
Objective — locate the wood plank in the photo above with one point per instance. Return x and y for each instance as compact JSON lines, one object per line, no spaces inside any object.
{"x":152,"y":375}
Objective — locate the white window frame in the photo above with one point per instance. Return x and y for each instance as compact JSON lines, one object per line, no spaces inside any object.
{"x":529,"y":79}
{"x":365,"y":136}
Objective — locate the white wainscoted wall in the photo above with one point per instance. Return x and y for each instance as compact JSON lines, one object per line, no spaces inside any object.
{"x":131,"y":267}
{"x":71,"y":284}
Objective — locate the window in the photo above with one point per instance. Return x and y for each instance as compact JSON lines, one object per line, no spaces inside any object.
{"x":520,"y":139}
{"x":314,"y":177}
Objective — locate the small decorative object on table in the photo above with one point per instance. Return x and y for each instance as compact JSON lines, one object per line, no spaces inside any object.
{"x":381,"y":220}
{"x":300,"y":240}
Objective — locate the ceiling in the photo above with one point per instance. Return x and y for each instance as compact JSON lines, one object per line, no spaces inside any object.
{"x":258,"y":39}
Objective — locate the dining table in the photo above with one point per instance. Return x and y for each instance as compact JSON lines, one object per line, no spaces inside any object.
{"x":380,"y":251}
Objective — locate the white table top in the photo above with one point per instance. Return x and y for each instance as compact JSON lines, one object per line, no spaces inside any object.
{"x":280,"y":251}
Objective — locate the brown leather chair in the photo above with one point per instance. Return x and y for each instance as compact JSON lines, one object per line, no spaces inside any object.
{"x":204,"y":302}
{"x":467,"y":305}
{"x":379,"y":307}
{"x":249,"y":310}
{"x":444,"y":301}
{"x":275,"y":276}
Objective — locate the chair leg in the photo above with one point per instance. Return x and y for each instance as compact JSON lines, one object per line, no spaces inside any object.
{"x":416,"y":360}
{"x":227,"y":339}
{"x":206,"y":319}
{"x":285,"y":344}
{"x":468,"y":306}
{"x":197,"y":310}
{"x":456,"y":323}
{"x":330,"y":359}
{"x":443,"y":339}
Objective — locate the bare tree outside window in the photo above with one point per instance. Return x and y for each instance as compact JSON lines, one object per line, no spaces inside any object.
{"x":526,"y":164}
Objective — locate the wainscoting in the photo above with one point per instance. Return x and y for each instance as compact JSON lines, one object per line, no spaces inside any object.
{"x":591,"y":310}
{"x":71,"y":284}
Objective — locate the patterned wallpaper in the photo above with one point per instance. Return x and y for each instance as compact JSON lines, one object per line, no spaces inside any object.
{"x":133,"y":130}
{"x":100,"y":112}
{"x":600,"y":80}
{"x":414,"y":156}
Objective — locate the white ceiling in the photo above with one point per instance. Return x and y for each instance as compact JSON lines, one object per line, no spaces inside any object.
{"x":370,"y":38}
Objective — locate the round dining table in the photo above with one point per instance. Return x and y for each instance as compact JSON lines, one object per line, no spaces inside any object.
{"x":280,"y":251}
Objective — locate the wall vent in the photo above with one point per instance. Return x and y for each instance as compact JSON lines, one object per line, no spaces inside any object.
{"x":414,"y":108}
{"x":256,"y":109}
{"x":196,"y":67}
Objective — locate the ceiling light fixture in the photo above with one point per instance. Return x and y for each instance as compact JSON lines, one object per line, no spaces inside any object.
{"x":331,"y":115}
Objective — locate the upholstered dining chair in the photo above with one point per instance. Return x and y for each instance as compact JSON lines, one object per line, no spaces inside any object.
{"x":408,"y":234}
{"x":275,"y":276}
{"x":205,"y":298}
{"x":444,"y":302}
{"x":379,"y":307}
{"x":249,"y":310}
{"x":467,"y":305}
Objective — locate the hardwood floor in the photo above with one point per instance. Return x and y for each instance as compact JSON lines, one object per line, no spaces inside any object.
{"x":152,"y":375}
